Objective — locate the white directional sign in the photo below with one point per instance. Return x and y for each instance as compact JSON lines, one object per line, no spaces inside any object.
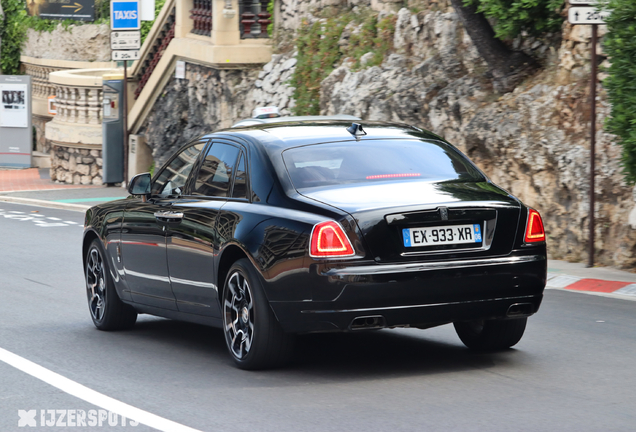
{"x":583,"y":2}
{"x":586,"y":15}
{"x":125,"y":55}
{"x":125,"y":40}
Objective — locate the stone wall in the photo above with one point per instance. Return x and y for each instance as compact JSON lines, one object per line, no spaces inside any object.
{"x":207,"y":99}
{"x":533,"y":141}
{"x":76,"y":165}
{"x":89,"y":42}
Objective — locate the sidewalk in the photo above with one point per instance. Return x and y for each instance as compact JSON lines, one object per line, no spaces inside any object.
{"x":33,"y":186}
{"x":604,"y":281}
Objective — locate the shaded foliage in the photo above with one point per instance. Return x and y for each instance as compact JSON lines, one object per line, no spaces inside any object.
{"x":620,"y":45}
{"x":511,"y":17}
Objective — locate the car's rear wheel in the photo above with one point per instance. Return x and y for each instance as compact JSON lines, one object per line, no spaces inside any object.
{"x":253,"y":335}
{"x":107,"y":310}
{"x":491,"y":335}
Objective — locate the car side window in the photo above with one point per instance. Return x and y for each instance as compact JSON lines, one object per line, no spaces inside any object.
{"x":174,"y":175}
{"x":239,"y":190}
{"x":215,"y":176}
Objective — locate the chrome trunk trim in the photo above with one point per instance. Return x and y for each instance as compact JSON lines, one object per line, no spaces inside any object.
{"x":427,"y":266}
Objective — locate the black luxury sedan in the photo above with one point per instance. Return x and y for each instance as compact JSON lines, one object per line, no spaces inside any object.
{"x":279,"y":229}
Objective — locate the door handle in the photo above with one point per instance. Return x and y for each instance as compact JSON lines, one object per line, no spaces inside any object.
{"x":169,"y":216}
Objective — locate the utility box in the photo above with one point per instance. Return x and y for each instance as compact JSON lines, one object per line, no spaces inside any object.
{"x":113,"y":128}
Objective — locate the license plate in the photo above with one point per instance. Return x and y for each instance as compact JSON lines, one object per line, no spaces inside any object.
{"x":441,"y":235}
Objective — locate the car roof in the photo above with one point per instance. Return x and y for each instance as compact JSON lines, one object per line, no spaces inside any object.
{"x":282,"y":135}
{"x":255,"y":121}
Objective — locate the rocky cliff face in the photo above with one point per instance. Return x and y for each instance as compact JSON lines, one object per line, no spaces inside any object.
{"x":79,"y":43}
{"x":533,"y":141}
{"x":207,"y":99}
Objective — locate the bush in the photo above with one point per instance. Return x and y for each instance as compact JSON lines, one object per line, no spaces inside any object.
{"x":620,"y":45}
{"x":319,"y":52}
{"x":513,"y":16}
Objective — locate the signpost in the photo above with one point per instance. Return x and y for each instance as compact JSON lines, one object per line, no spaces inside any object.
{"x":591,"y":16}
{"x":125,"y":41}
{"x":586,"y":15}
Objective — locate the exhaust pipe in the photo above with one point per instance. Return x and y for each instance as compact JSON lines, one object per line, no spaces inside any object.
{"x":519,"y":310}
{"x":368,"y":322}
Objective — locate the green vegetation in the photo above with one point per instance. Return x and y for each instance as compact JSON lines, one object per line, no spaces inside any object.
{"x":511,"y":17}
{"x":147,"y":25}
{"x":319,"y":52}
{"x":375,"y":37}
{"x":270,"y":11}
{"x":620,"y":45}
{"x":14,"y":28}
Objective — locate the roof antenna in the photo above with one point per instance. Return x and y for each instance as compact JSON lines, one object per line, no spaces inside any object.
{"x":356,"y":130}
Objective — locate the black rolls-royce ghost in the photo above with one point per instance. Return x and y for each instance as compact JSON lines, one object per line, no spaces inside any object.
{"x":278,"y":229}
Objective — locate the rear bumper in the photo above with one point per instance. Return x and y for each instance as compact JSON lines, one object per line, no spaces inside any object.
{"x":416,"y":294}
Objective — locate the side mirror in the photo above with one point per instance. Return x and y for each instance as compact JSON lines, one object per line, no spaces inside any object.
{"x":140,"y":185}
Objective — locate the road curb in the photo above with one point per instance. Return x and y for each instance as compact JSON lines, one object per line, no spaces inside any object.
{"x":44,"y":203}
{"x":600,"y":287}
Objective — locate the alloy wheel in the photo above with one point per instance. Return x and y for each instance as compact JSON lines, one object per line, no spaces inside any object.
{"x":96,"y":284}
{"x":238,"y":315}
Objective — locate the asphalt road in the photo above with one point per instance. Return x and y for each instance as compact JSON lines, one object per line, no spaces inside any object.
{"x":572,"y":371}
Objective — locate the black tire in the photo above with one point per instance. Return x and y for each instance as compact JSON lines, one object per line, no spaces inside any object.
{"x":253,"y":335}
{"x":107,"y":310}
{"x":491,"y":335}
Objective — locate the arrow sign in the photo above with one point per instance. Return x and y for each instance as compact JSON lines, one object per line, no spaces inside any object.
{"x":587,"y":15}
{"x":78,"y":7}
{"x":125,"y":55}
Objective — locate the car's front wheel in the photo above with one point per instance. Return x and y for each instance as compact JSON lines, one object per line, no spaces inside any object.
{"x":107,"y":310}
{"x":253,"y":335}
{"x":491,"y":335}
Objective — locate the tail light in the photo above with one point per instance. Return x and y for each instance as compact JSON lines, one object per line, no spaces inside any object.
{"x":534,"y":227}
{"x":329,"y":240}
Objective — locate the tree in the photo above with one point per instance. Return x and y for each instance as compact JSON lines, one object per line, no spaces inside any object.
{"x":620,"y":45}
{"x":1,"y":27}
{"x":507,"y":67}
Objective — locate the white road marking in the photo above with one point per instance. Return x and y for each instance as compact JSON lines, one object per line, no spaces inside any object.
{"x":52,"y":218}
{"x":91,"y":396}
{"x":16,"y":212}
{"x":561,"y":281}
{"x":70,"y":222}
{"x":627,"y":290}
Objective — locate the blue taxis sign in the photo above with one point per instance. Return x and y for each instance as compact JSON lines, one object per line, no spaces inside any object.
{"x":124,"y":15}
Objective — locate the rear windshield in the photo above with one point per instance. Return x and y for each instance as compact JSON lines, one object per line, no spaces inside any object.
{"x":377,"y":161}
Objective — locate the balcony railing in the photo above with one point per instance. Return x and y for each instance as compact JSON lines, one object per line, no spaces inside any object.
{"x":201,"y":15}
{"x":154,"y":54}
{"x":254,"y":18}
{"x":79,"y":102}
{"x":41,"y":87}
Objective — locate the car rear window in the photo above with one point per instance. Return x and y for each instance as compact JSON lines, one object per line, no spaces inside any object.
{"x":377,"y":161}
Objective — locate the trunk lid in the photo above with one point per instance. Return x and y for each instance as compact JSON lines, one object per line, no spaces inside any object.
{"x":387,"y":213}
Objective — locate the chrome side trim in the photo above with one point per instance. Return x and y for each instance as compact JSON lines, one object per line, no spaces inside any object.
{"x":437,"y":265}
{"x":380,"y":309}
